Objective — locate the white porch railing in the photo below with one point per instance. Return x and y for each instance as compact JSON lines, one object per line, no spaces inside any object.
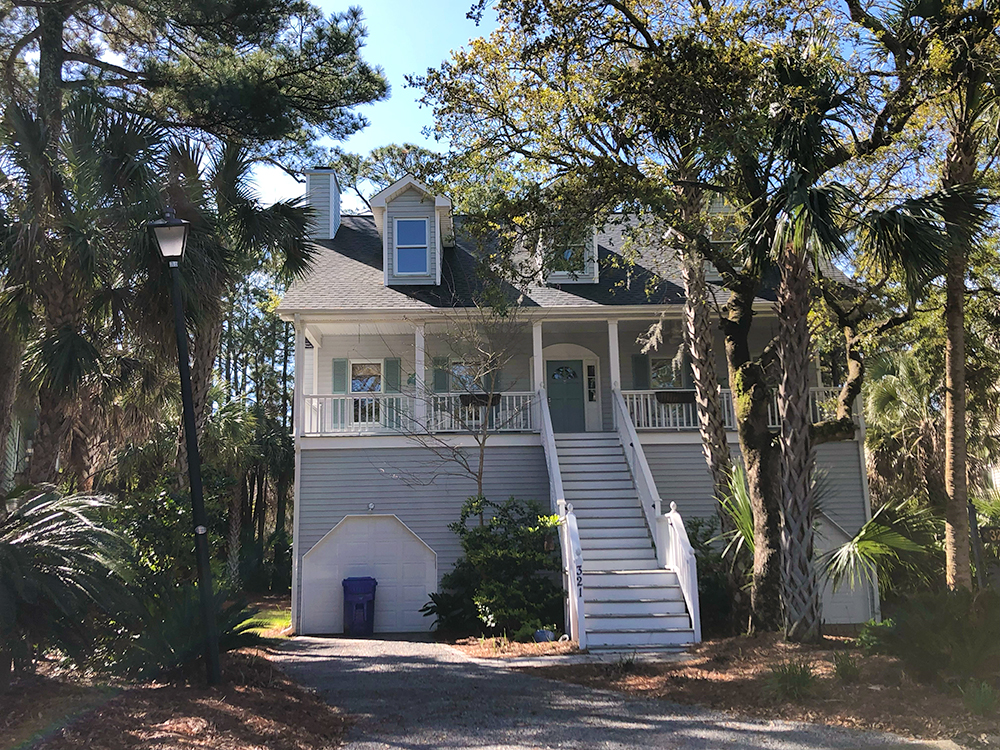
{"x":464,"y":412}
{"x":368,"y":413}
{"x":393,"y":413}
{"x":569,"y":533}
{"x":649,"y":496}
{"x":678,"y":555}
{"x":648,"y":412}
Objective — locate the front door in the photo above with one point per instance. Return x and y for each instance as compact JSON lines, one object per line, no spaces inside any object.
{"x":564,"y":383}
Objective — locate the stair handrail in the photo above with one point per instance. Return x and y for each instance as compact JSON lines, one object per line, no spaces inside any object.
{"x":649,"y":496}
{"x":681,"y":559}
{"x":569,"y":532}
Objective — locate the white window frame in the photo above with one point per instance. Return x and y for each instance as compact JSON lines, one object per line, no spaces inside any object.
{"x":588,"y":275}
{"x":350,"y":376}
{"x":396,"y":246}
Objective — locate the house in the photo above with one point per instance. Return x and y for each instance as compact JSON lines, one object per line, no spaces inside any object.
{"x":580,"y":419}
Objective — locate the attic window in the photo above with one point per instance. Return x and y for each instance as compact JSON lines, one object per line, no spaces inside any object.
{"x":411,"y":246}
{"x":573,"y":259}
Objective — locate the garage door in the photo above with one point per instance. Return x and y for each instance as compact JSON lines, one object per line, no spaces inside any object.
{"x":380,"y":546}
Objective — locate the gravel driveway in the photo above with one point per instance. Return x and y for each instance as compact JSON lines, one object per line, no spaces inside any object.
{"x":409,"y":695}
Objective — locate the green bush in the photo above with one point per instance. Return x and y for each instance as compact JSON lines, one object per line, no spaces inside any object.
{"x":947,"y":634}
{"x":871,"y":639}
{"x":721,"y":607}
{"x":980,"y":698}
{"x":167,"y":631}
{"x":505,"y":579}
{"x":791,"y":681}
{"x":846,"y":667}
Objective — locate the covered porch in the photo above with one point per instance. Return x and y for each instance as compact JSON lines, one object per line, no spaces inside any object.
{"x":400,"y":377}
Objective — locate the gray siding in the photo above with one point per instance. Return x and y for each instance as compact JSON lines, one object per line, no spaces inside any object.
{"x":411,"y":204}
{"x":681,"y":476}
{"x":335,"y":483}
{"x":320,"y":185}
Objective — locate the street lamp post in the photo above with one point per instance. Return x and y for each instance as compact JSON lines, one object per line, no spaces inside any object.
{"x":170,"y":234}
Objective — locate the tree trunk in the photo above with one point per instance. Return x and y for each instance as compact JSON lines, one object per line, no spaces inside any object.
{"x":279,"y":581}
{"x":204,"y":351}
{"x":83,"y":434}
{"x":53,"y":427}
{"x":11,"y":349}
{"x":751,"y":398}
{"x":234,"y":540}
{"x":800,"y":587}
{"x":959,"y":169}
{"x":698,"y":335}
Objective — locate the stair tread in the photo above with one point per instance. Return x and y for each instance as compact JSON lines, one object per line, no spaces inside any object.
{"x":593,"y":631}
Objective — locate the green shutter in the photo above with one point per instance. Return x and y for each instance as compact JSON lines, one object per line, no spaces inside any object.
{"x":640,"y":372}
{"x":493,"y":382}
{"x":340,"y":376}
{"x":441,"y":384}
{"x":392,"y":368}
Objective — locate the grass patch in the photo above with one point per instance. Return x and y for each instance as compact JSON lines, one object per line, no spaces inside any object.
{"x":846,"y":667}
{"x":273,"y":623}
{"x":791,"y":681}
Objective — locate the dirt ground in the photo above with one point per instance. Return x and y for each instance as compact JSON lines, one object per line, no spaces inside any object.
{"x":257,"y":707}
{"x":732,"y":674}
{"x":501,"y":648}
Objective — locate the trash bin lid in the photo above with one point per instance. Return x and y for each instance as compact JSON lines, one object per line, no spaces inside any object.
{"x":362,"y":585}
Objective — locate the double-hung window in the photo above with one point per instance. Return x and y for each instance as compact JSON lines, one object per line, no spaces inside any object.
{"x":410,"y":240}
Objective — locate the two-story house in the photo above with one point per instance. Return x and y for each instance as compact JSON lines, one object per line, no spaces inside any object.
{"x":581,"y":420}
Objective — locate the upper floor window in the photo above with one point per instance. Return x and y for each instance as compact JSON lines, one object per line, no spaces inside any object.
{"x":572,"y":259}
{"x":411,"y":246}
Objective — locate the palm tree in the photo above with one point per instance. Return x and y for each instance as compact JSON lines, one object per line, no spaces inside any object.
{"x":237,"y":236}
{"x":57,"y":560}
{"x":69,"y":289}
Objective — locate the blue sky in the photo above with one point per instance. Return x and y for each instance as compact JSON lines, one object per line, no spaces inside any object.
{"x":404,"y":37}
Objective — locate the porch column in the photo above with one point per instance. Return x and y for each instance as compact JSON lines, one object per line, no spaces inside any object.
{"x":419,"y":390}
{"x":298,"y":410}
{"x":614,"y":357}
{"x":536,"y":345}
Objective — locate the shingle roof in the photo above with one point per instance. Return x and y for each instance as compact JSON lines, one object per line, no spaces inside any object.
{"x":347,"y":275}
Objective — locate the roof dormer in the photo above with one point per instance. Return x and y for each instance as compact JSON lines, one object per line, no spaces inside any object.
{"x":415,"y":226}
{"x":571,"y":259}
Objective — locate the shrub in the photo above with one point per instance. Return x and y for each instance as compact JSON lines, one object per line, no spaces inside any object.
{"x":980,"y":698}
{"x":846,"y":667}
{"x":791,"y":681}
{"x":58,"y":572}
{"x":504,"y":580}
{"x":947,"y":634}
{"x":871,"y":639}
{"x":719,"y":602}
{"x":167,"y":631}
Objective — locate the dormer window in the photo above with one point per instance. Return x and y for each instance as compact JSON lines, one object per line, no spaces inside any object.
{"x":411,"y":246}
{"x":573,"y":259}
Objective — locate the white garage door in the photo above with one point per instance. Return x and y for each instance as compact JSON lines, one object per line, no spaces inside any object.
{"x":380,"y":546}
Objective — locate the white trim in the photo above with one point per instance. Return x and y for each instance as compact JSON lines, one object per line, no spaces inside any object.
{"x":680,"y":437}
{"x":591,"y":268}
{"x":592,"y":412}
{"x":380,"y":199}
{"x":297,"y":429}
{"x":614,"y":356}
{"x":380,"y":224}
{"x":439,"y":248}
{"x":538,"y":360}
{"x":420,"y":373}
{"x":367,"y":442}
{"x":351,"y":516}
{"x":396,"y":246}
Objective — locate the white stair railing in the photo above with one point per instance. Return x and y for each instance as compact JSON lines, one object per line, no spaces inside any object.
{"x":649,"y":497}
{"x":681,"y":559}
{"x":569,"y":532}
{"x":673,"y":548}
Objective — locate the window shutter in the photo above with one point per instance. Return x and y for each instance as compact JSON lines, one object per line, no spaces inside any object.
{"x":640,"y":372}
{"x":493,"y":381}
{"x":392,"y":376}
{"x":340,"y":376}
{"x":441,"y":379}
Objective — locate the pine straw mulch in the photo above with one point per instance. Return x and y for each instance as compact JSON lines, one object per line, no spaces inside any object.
{"x":731,"y":674}
{"x":256,"y":707}
{"x":501,"y":648}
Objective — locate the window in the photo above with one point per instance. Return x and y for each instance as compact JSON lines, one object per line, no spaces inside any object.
{"x":669,"y":372}
{"x":463,"y":378}
{"x":573,"y":259}
{"x":411,"y":246}
{"x":591,"y":383}
{"x":366,"y":377}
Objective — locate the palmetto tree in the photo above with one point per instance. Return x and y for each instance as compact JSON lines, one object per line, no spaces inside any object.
{"x":816,"y":221}
{"x":57,"y":560}
{"x":69,"y":289}
{"x":236,"y":236}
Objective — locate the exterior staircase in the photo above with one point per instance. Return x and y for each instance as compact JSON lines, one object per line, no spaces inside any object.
{"x":630,"y":602}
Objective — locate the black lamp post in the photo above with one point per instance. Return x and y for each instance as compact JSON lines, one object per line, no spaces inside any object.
{"x":170,"y":234}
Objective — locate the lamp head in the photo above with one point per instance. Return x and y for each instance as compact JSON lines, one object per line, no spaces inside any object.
{"x":171,"y":235}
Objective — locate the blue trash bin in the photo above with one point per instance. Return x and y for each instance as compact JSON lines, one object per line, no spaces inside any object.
{"x":359,"y":606}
